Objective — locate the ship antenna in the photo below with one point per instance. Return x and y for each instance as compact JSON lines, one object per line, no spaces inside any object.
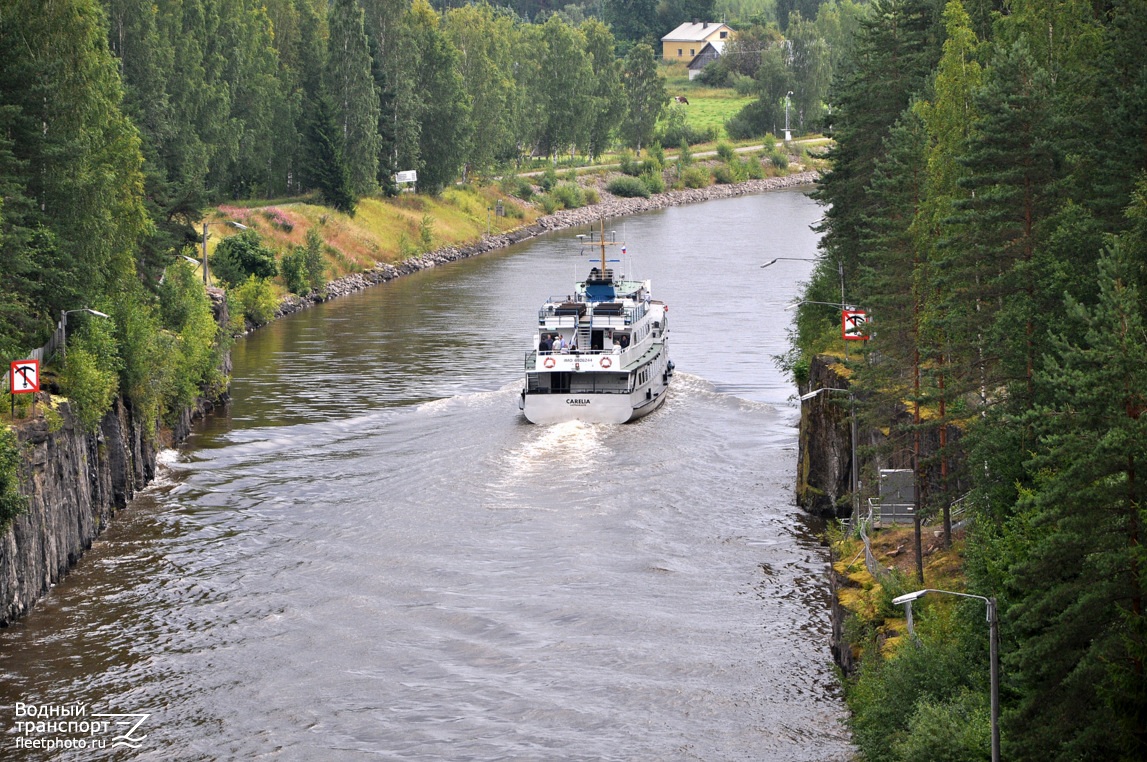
{"x":601,"y":221}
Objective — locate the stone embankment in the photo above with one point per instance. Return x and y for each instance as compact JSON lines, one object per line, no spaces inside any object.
{"x":610,"y":206}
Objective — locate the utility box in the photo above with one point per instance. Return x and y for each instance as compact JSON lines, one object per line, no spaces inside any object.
{"x":897,"y":485}
{"x":897,"y":502}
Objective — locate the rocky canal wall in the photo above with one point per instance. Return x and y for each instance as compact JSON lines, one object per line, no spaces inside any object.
{"x":75,"y":482}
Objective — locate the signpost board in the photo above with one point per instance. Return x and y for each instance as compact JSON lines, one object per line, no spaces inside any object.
{"x":406,"y":176}
{"x":854,"y":325}
{"x":25,"y":376}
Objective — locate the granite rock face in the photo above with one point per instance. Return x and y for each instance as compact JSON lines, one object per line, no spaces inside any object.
{"x":824,"y":455}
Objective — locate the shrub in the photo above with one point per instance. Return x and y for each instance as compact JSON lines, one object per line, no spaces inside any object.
{"x":654,"y":181}
{"x":725,"y":152}
{"x":629,"y":165}
{"x":293,"y":268}
{"x":141,"y":346}
{"x":657,"y":156}
{"x":278,"y":219}
{"x":676,"y":129}
{"x":90,"y":378}
{"x":255,"y":300}
{"x":753,"y":168}
{"x":549,"y":204}
{"x":591,"y":196}
{"x":695,"y":177}
{"x":569,"y":195}
{"x":628,"y":187}
{"x":426,"y":233}
{"x":241,"y":256}
{"x":12,"y":503}
{"x":549,"y":179}
{"x":779,"y":159}
{"x":194,"y":346}
{"x":723,"y":174}
{"x":684,"y":155}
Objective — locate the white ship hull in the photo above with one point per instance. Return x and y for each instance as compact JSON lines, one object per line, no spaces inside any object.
{"x":597,"y":407}
{"x":600,"y":355}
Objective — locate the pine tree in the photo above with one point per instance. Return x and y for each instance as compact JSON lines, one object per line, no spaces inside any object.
{"x":73,"y":152}
{"x":1078,"y":581}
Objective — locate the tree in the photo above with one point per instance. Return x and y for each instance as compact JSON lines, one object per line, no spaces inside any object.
{"x":1078,"y":586}
{"x":896,"y":49}
{"x":607,"y":101}
{"x":562,"y":88}
{"x":485,"y":41}
{"x":326,"y":167}
{"x":645,"y":96}
{"x":395,"y":62}
{"x":240,"y":256}
{"x":354,"y":100}
{"x":444,"y":113}
{"x":71,"y":151}
{"x":633,"y":20}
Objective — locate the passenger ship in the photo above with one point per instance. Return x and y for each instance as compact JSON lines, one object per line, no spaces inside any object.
{"x":609,"y":357}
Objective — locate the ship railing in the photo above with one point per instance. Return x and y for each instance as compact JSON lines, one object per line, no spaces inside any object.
{"x":621,"y":359}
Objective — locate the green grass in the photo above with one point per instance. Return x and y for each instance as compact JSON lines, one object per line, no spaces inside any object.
{"x":708,"y":106}
{"x":706,"y":112}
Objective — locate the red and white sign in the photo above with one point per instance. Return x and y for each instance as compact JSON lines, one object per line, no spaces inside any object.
{"x":854,"y":325}
{"x":25,"y":376}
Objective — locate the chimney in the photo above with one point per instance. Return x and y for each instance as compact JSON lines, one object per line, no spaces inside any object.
{"x":705,"y":25}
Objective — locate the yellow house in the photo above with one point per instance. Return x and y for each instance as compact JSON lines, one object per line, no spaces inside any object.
{"x":687,"y":40}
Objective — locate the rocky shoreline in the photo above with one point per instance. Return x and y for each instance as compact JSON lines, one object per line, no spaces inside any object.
{"x":610,"y":206}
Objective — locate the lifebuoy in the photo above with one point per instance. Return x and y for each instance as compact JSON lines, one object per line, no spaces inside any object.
{"x":606,"y":362}
{"x":549,"y":362}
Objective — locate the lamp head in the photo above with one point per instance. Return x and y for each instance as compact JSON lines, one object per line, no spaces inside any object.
{"x":908,"y":597}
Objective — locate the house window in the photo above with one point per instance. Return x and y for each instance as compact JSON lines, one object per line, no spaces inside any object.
{"x":678,"y":52}
{"x":724,"y":35}
{"x":691,"y":52}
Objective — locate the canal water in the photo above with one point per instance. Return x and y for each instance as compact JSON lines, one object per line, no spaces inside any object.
{"x":371,"y":555}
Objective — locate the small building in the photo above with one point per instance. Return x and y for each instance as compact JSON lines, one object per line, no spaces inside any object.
{"x":710,"y":53}
{"x":687,"y":40}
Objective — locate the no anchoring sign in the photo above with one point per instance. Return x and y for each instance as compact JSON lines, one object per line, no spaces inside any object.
{"x":25,"y":376}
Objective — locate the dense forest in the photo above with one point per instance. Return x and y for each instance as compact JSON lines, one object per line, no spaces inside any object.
{"x":987,"y":206}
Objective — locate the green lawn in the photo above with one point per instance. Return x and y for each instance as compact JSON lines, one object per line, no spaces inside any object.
{"x":705,"y":112}
{"x":708,"y":106}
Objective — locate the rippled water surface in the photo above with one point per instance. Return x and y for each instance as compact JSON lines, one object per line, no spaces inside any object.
{"x":372,"y":555}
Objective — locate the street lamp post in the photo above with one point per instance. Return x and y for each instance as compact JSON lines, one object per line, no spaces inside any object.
{"x":232,"y":223}
{"x":788,"y":135}
{"x":993,"y":650}
{"x":64,"y":326}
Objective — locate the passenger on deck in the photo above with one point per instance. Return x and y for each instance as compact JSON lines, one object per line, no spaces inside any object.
{"x":546,"y":344}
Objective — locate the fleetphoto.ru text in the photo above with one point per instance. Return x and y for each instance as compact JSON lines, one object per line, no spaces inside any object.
{"x":69,"y":727}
